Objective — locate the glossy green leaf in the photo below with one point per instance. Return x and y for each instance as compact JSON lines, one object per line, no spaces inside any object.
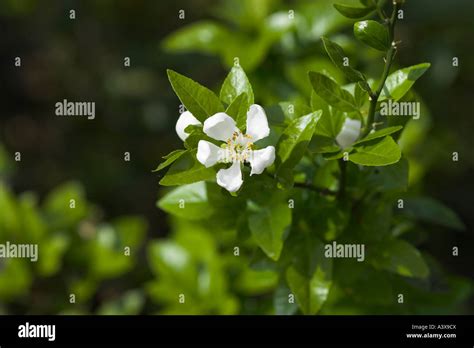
{"x":400,"y":257}
{"x":376,"y":153}
{"x":399,"y":82}
{"x":235,"y":84}
{"x":338,"y":57}
{"x":431,"y":211}
{"x":353,"y":11}
{"x":330,"y":123}
{"x":197,"y":99}
{"x":268,"y":225}
{"x":379,"y":134}
{"x":238,"y":110}
{"x":373,"y":34}
{"x":187,"y":202}
{"x":187,"y":170}
{"x":295,"y":139}
{"x":292,"y":110}
{"x":330,"y":91}
{"x":170,"y":159}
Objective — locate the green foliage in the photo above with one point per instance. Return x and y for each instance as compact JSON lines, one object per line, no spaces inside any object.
{"x":197,"y":99}
{"x":376,"y":153}
{"x":186,"y":170}
{"x":332,"y":93}
{"x":353,"y":11}
{"x":268,"y":225}
{"x":68,"y":240}
{"x":373,"y":34}
{"x":400,"y":82}
{"x":314,"y":193}
{"x":294,"y":141}
{"x":235,"y":84}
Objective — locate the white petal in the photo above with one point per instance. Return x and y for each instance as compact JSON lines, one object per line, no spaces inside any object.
{"x":261,"y":159}
{"x":231,"y":178}
{"x":257,"y":123}
{"x":349,"y":133}
{"x":220,"y":126}
{"x":208,"y":153}
{"x":184,"y":120}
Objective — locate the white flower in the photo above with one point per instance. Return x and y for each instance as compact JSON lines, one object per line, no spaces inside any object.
{"x":184,"y":120}
{"x":349,"y":133}
{"x":236,"y":148}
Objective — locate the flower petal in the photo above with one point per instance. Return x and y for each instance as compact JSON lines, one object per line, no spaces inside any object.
{"x":231,"y":178}
{"x":184,"y":120}
{"x":208,"y":154}
{"x":349,"y":133}
{"x":257,"y":123}
{"x":220,"y":126}
{"x":261,"y":159}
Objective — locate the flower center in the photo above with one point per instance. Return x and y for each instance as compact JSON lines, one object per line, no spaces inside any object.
{"x":238,"y":148}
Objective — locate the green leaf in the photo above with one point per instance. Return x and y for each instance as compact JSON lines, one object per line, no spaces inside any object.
{"x":330,"y":123}
{"x":197,"y":99}
{"x":389,"y":178}
{"x":281,"y":301}
{"x":204,"y":36}
{"x":131,"y":230}
{"x":378,"y":134}
{"x":400,"y":257}
{"x":170,"y":159}
{"x":187,"y":170}
{"x":400,"y":82}
{"x":59,"y":205}
{"x":373,"y":34}
{"x":295,"y":139}
{"x":310,"y":275}
{"x":360,"y":93}
{"x":330,"y":91}
{"x":376,"y":153}
{"x":337,"y":55}
{"x":353,"y":12}
{"x":187,"y":202}
{"x":235,"y":84}
{"x":431,"y":211}
{"x":52,"y":252}
{"x":238,"y":110}
{"x":268,"y":225}
{"x":167,"y":258}
{"x":293,"y":109}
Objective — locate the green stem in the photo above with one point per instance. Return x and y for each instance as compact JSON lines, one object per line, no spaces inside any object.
{"x":388,"y":63}
{"x":308,"y":186}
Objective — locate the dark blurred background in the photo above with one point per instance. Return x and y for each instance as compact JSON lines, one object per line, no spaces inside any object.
{"x":136,"y":109}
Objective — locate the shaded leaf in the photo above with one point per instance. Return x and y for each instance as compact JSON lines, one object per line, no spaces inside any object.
{"x":330,"y":91}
